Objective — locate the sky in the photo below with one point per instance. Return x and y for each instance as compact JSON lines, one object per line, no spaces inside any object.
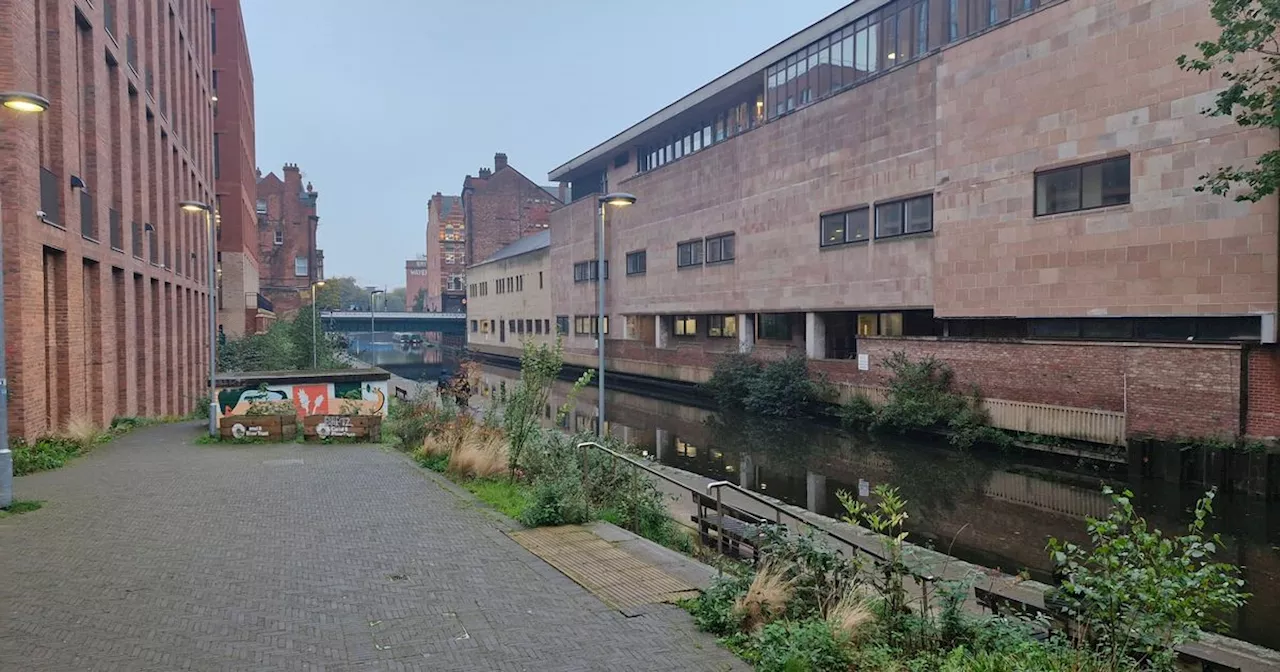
{"x":382,"y":103}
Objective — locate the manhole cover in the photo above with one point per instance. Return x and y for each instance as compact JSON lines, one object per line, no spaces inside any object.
{"x":283,"y":462}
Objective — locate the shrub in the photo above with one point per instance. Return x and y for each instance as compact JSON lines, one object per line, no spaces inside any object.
{"x":858,"y":414}
{"x":822,"y":576}
{"x":783,"y":389}
{"x":713,"y":610}
{"x":557,"y":501}
{"x":732,"y":380}
{"x":922,"y":396}
{"x":409,"y":421}
{"x":766,"y":598}
{"x":42,"y":455}
{"x":1139,"y":593}
{"x":481,"y":453}
{"x":805,"y":646}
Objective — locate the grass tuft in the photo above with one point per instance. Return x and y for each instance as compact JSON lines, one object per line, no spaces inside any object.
{"x":509,"y":498}
{"x":850,"y":616}
{"x":83,"y":432}
{"x":19,"y":506}
{"x":766,"y":598}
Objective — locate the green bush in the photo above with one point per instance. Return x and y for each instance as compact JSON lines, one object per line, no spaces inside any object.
{"x":780,"y":389}
{"x":410,"y":420}
{"x":285,"y":346}
{"x":922,"y":395}
{"x":713,"y":610}
{"x":858,"y":414}
{"x":557,"y":501}
{"x":804,"y":646}
{"x":820,"y":575}
{"x":42,"y":455}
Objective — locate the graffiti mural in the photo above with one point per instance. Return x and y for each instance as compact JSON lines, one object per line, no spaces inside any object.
{"x":366,"y":398}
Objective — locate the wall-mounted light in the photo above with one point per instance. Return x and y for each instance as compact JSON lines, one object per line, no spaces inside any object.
{"x":77,"y":183}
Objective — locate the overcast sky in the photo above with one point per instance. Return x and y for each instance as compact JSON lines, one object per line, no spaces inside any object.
{"x":382,"y":103}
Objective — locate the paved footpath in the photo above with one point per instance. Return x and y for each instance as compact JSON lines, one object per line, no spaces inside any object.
{"x":154,"y":553}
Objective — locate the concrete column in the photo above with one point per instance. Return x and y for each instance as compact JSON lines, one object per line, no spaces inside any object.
{"x":661,"y":439}
{"x":815,"y":336}
{"x":747,"y":473}
{"x":661,"y":331}
{"x":746,"y":332}
{"x":815,"y":491}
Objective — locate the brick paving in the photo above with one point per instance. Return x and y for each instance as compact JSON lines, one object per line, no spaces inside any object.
{"x":154,"y":553}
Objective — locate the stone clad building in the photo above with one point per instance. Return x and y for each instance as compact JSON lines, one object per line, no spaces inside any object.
{"x":104,"y":276}
{"x":509,"y":298}
{"x":1005,"y":185}
{"x":287,"y":227}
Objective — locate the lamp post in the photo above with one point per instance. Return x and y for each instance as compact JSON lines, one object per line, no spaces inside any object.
{"x":18,"y":102}
{"x":197,"y":206}
{"x":372,"y":331}
{"x":618,"y":199}
{"x":314,"y":311}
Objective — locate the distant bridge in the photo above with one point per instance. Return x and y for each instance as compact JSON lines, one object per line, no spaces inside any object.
{"x":354,"y":322}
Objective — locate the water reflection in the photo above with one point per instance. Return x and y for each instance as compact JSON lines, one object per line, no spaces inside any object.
{"x":986,"y":507}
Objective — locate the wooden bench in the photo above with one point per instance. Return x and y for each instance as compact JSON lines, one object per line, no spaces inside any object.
{"x":739,"y":529}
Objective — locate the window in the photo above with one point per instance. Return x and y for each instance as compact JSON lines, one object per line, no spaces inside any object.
{"x":912,"y":215}
{"x":890,"y":324}
{"x":546,"y":326}
{"x":720,"y":248}
{"x":586,"y":270}
{"x":844,"y":227}
{"x":689,"y":254}
{"x":685,"y":325}
{"x":528,"y":327}
{"x":279,"y":237}
{"x":300,"y":266}
{"x":475,"y":326}
{"x":722,"y":326}
{"x":586,"y":325}
{"x":637,"y":262}
{"x":537,"y":327}
{"x":562,"y":324}
{"x":519,"y":283}
{"x":511,"y":326}
{"x":1083,"y":187}
{"x":773,"y":326}
{"x":539,"y":279}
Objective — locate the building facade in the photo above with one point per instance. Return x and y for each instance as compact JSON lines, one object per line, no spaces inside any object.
{"x":501,"y":206}
{"x":287,"y":227}
{"x":509,"y":298}
{"x":442,"y":273}
{"x":1006,"y":186}
{"x":104,"y":275}
{"x":241,"y":308}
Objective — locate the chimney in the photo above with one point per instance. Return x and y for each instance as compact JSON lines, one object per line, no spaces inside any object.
{"x":485,"y":173}
{"x":499,"y":161}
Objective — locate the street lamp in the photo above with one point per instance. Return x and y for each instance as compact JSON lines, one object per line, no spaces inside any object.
{"x":617,"y":199}
{"x":197,"y":206}
{"x":19,"y":102}
{"x":314,"y":310}
{"x":372,"y":331}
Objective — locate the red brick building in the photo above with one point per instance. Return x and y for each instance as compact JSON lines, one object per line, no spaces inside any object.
{"x":500,"y":206}
{"x":856,"y":190}
{"x":239,"y":309}
{"x":104,"y":276}
{"x":443,"y":270}
{"x":287,"y":226}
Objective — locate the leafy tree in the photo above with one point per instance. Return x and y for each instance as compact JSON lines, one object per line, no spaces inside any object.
{"x":341,"y":294}
{"x":420,"y":301}
{"x":394,"y":300}
{"x":1247,"y":53}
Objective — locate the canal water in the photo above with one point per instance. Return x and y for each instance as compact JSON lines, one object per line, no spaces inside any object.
{"x":993,"y":508}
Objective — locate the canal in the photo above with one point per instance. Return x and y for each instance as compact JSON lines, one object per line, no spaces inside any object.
{"x":992,"y":508}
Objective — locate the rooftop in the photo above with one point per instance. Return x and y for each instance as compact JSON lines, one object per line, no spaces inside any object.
{"x":538,"y":241}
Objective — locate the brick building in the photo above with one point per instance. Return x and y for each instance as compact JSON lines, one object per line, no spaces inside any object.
{"x":443,"y":270}
{"x":509,"y":298}
{"x":501,"y":206}
{"x":287,"y":226}
{"x":240,"y":309}
{"x":855,"y":191}
{"x":104,"y":276}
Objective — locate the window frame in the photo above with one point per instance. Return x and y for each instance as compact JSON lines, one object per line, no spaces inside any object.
{"x":844,"y":214}
{"x":695,"y":245}
{"x":727,"y":322}
{"x":1079,"y":168}
{"x":640,"y":268}
{"x":901,"y":204}
{"x":680,"y":326}
{"x":719,"y":239}
{"x":785,"y":318}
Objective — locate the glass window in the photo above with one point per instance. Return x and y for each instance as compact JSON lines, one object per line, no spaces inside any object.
{"x":706,"y":135}
{"x":889,"y":220}
{"x":857,"y":225}
{"x":637,"y":262}
{"x":922,"y":27}
{"x":919,"y":214}
{"x":686,"y":325}
{"x":889,"y":45}
{"x":720,"y":248}
{"x":953,"y":20}
{"x":1054,"y":328}
{"x":1107,"y":329}
{"x":722,"y":326}
{"x":890,"y":324}
{"x":1093,"y":185}
{"x":689,"y":254}
{"x":868,"y":324}
{"x":913,"y":215}
{"x":300,"y":266}
{"x":720,"y":128}
{"x":832,"y":229}
{"x":773,"y":326}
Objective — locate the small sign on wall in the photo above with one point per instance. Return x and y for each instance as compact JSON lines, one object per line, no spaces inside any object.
{"x":864,"y":362}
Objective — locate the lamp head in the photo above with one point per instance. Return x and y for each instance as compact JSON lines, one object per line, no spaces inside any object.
{"x":20,"y":101}
{"x":194,"y":206}
{"x":319,"y":283}
{"x":618,"y":198}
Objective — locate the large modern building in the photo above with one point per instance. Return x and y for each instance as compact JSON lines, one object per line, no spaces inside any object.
{"x":509,"y":298}
{"x":104,"y":274}
{"x":287,"y":228}
{"x":1006,"y":186}
{"x":241,"y":308}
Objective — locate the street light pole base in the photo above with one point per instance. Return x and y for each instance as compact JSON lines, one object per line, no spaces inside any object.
{"x":213,"y":418}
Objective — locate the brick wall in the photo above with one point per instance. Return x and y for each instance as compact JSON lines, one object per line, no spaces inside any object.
{"x":1264,"y":391}
{"x":73,"y":330}
{"x":501,"y":207}
{"x":446,"y":249}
